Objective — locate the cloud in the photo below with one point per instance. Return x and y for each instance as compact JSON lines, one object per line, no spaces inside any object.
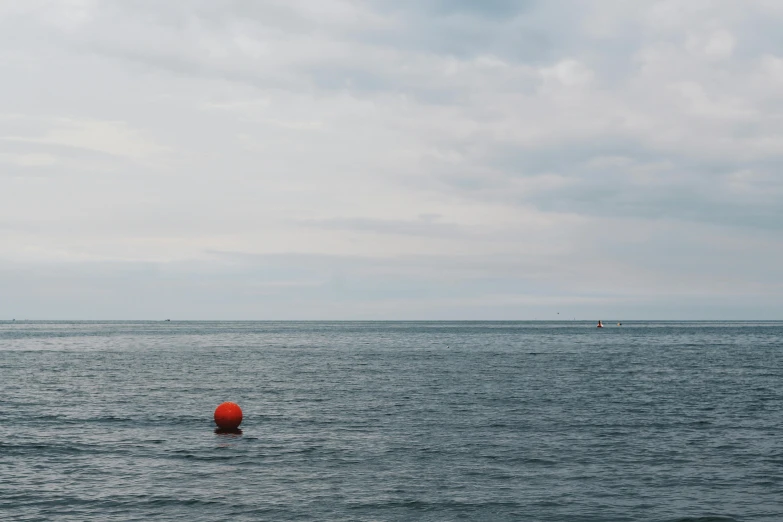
{"x":29,"y":160}
{"x":107,"y":137}
{"x":584,"y":145}
{"x":426,"y":225}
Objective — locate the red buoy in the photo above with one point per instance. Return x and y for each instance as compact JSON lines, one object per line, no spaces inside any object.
{"x":228,"y":416}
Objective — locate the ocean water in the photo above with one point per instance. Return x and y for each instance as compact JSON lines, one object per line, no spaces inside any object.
{"x":384,"y":421}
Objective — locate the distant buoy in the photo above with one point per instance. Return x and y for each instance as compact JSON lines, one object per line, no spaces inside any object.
{"x":228,"y":416}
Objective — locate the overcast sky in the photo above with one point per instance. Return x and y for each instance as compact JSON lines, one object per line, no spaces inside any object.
{"x":391,"y":159}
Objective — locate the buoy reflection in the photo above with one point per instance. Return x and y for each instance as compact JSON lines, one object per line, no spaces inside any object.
{"x":229,"y":432}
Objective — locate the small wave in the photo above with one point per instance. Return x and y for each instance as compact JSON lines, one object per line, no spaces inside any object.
{"x":712,"y":518}
{"x":208,"y":458}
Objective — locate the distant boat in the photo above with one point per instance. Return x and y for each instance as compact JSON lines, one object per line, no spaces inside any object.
{"x":168,"y":319}
{"x":600,"y":325}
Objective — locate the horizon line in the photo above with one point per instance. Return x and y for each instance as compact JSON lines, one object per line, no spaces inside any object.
{"x":392,"y":320}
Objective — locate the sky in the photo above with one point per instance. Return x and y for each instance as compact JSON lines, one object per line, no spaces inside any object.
{"x":391,"y":159}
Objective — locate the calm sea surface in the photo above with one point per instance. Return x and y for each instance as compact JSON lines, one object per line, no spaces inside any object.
{"x":392,"y":421}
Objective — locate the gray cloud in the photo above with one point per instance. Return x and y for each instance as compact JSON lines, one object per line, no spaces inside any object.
{"x":426,"y":225}
{"x":417,"y":159}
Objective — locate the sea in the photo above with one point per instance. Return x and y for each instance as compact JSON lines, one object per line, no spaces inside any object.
{"x":392,"y":421}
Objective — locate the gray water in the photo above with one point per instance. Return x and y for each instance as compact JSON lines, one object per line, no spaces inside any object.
{"x":392,"y":421}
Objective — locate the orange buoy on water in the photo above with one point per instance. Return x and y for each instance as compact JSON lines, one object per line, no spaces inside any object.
{"x":228,"y":416}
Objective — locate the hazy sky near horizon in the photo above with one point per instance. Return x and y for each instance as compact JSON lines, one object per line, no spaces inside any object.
{"x":391,"y":159}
